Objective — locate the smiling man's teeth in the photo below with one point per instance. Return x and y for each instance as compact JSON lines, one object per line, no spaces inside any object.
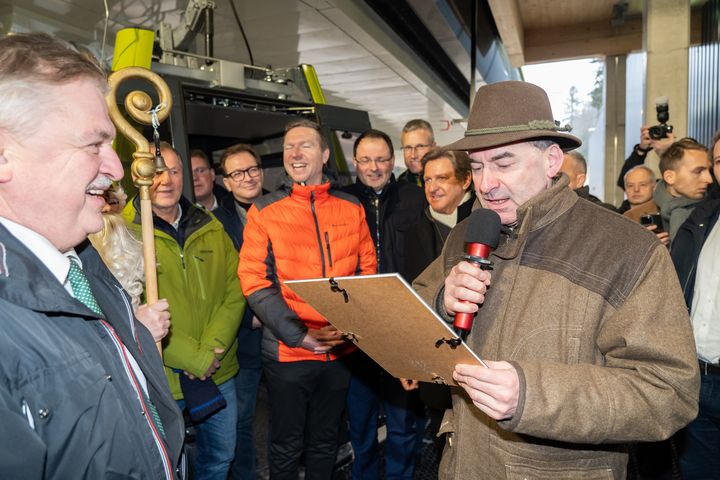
{"x":95,"y":192}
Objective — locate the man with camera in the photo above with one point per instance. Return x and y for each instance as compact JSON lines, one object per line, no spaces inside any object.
{"x":685,"y":179}
{"x":654,"y":141}
{"x":640,"y":207}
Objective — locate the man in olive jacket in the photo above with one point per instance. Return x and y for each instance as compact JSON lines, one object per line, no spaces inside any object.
{"x":196,"y":273}
{"x":581,"y":321}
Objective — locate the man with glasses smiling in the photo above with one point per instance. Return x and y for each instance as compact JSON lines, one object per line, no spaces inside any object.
{"x":390,"y":209}
{"x":243,"y":177}
{"x":417,"y":139}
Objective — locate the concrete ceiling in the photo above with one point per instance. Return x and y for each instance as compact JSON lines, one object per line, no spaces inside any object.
{"x":361,"y":62}
{"x":537,"y":31}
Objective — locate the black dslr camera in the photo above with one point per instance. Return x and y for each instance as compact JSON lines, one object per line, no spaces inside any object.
{"x":657,"y":132}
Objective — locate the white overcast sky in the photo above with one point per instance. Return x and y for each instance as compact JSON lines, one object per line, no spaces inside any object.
{"x":556,"y":78}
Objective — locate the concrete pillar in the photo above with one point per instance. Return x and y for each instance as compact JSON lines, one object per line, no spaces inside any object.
{"x":666,"y":39}
{"x":615,"y":76}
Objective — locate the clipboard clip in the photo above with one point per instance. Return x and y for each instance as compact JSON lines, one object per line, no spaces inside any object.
{"x":336,"y":288}
{"x":438,"y":379}
{"x":351,"y":337}
{"x":453,"y":342}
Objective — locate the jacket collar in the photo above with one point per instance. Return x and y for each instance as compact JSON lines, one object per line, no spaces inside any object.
{"x":191,"y":220}
{"x":538,"y":212}
{"x":702,"y":219}
{"x":305,"y":192}
{"x":583,"y":192}
{"x":371,"y":193}
{"x":668,"y":202}
{"x":25,"y":281}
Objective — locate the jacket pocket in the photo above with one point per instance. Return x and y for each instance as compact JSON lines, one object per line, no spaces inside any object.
{"x":77,"y":410}
{"x":524,"y":472}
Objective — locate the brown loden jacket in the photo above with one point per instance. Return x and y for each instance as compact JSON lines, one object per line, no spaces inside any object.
{"x":587,"y":306}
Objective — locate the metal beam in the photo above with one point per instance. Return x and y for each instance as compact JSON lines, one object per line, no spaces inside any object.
{"x":510,"y":26}
{"x":583,"y":40}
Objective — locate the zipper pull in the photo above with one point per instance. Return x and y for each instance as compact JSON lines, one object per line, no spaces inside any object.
{"x":327,"y":243}
{"x":28,"y":414}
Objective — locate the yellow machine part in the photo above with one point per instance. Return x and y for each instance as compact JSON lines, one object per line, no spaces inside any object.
{"x":133,"y":48}
{"x":313,"y":83}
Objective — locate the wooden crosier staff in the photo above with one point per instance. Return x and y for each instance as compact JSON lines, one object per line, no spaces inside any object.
{"x":145,"y":164}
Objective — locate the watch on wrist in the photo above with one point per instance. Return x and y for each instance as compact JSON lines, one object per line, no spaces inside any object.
{"x":641,"y":150}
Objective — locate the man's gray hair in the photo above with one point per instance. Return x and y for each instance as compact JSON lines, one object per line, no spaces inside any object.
{"x":542,"y":144}
{"x":164,"y":145}
{"x":31,"y":63}
{"x":579,"y":160}
{"x":419,"y":124}
{"x":640,"y":167}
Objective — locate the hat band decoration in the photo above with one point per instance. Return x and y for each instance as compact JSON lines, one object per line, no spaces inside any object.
{"x":531,"y":125}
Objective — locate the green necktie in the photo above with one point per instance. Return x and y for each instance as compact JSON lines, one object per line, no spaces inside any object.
{"x":81,"y":287}
{"x":155,"y":415}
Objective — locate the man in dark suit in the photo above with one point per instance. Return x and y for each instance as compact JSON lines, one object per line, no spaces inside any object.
{"x":243,"y":177}
{"x":82,"y":390}
{"x":448,"y":182}
{"x":390,"y":208}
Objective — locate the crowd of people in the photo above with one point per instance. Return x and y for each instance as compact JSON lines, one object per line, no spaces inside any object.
{"x":601,"y":334}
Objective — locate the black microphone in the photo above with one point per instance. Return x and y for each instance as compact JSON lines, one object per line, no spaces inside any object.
{"x":482,"y":236}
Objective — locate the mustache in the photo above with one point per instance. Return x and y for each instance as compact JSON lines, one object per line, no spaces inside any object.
{"x":103,"y":182}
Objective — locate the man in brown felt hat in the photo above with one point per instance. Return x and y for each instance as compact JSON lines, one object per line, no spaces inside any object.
{"x":581,"y":320}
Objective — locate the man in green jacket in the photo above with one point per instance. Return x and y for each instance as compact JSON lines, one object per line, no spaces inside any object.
{"x":197,"y":265}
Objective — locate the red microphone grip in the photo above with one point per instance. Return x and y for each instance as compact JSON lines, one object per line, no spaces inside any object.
{"x":464,"y":321}
{"x":478,"y":250}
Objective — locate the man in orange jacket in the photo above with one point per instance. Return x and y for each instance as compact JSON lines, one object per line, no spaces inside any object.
{"x":304,"y":230}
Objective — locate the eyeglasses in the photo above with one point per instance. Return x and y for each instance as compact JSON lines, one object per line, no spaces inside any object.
{"x":419,"y":146}
{"x":239,"y":175}
{"x":379,"y":161}
{"x":200,"y":170}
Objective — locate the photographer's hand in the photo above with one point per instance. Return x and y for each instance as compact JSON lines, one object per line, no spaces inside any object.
{"x":661,"y":145}
{"x":662,"y":236}
{"x":645,"y":140}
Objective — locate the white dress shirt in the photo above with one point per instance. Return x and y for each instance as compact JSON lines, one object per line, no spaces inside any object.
{"x":56,"y":262}
{"x":705,"y":310}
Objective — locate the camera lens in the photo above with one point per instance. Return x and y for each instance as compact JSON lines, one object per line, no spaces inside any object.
{"x":657,"y":132}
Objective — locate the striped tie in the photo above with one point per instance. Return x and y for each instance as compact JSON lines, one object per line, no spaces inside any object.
{"x":81,"y":287}
{"x":155,"y":415}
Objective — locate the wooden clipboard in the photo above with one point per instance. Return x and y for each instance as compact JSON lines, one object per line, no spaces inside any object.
{"x":384,"y":317}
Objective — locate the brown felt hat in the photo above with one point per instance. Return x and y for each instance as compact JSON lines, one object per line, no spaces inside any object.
{"x":510,"y":112}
